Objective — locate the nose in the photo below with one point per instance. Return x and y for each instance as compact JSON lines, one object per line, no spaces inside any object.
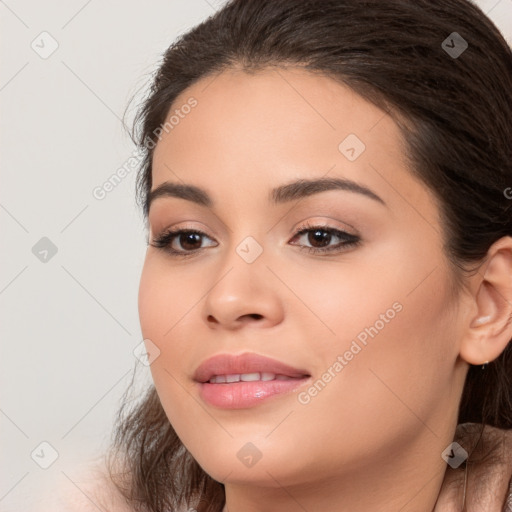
{"x":246,"y":294}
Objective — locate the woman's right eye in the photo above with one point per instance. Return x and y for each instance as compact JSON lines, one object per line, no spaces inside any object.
{"x":181,"y":242}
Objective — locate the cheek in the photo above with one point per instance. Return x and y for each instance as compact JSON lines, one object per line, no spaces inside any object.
{"x":160,"y":310}
{"x":168,"y":304}
{"x":164,"y":298}
{"x":398,"y":348}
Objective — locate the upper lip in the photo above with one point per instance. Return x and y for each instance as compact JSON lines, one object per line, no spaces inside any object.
{"x":230,"y":364}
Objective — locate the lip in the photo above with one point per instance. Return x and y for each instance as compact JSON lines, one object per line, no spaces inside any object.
{"x":244,"y":394}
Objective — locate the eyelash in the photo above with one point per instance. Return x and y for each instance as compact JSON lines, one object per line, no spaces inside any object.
{"x":164,"y":240}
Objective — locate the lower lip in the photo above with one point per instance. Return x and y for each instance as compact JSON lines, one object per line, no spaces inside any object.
{"x":241,"y":395}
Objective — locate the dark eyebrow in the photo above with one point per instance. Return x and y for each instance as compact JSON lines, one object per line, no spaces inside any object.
{"x":282,"y":194}
{"x":302,"y":188}
{"x":188,"y":192}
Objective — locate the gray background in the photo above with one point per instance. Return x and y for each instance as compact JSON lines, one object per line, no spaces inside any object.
{"x":69,"y":323}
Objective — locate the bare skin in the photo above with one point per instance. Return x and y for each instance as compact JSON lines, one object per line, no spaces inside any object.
{"x":372,"y":438}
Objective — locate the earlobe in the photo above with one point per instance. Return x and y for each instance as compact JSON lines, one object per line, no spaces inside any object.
{"x":490,"y":329}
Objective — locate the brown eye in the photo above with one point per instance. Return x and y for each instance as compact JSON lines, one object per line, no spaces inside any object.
{"x":189,"y":241}
{"x":319,"y":239}
{"x":181,"y":241}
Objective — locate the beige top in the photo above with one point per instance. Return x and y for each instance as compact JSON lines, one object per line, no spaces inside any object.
{"x":89,"y":491}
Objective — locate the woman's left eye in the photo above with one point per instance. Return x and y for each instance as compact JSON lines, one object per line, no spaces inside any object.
{"x":320,"y":238}
{"x":186,"y":242}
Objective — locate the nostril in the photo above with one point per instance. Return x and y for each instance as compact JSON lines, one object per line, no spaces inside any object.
{"x":248,"y":316}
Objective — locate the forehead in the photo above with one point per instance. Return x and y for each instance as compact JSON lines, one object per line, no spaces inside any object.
{"x":247,"y":111}
{"x":249,"y":131}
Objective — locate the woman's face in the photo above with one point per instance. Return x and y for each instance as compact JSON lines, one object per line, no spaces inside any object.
{"x":371,"y":320}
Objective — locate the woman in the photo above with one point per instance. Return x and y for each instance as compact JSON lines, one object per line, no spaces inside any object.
{"x":327,"y":288}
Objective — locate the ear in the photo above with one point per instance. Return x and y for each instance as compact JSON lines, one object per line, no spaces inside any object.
{"x":490,"y":328}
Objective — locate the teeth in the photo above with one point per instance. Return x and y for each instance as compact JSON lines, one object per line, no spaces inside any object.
{"x":246,"y":377}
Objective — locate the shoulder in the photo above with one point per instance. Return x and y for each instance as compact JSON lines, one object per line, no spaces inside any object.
{"x":90,"y":490}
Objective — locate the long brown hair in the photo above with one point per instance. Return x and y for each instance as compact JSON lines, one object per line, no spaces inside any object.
{"x":455,"y":115}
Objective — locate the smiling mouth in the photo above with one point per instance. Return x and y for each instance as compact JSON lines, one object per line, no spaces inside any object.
{"x":241,"y":381}
{"x":246,"y":390}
